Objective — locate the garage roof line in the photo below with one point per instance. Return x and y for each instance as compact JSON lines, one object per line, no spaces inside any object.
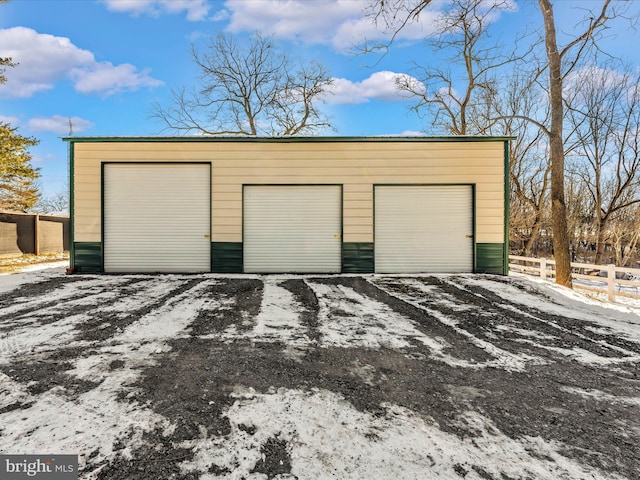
{"x":285,"y":139}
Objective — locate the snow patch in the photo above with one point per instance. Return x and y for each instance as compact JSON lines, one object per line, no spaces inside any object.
{"x":317,"y":425}
{"x":89,"y":424}
{"x":601,"y":396}
{"x":37,"y":339}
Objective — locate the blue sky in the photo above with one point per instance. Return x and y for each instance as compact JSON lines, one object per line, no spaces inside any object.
{"x":102,"y":63}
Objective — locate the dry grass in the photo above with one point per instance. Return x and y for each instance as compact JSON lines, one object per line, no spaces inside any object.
{"x":13,"y":264}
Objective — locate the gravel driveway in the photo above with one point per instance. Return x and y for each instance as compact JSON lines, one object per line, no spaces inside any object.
{"x":318,"y":377}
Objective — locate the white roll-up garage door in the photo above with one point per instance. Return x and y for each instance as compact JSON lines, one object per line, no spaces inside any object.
{"x":157,"y":217}
{"x":423,"y":229}
{"x":292,"y":229}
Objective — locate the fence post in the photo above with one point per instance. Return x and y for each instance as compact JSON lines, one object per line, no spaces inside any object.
{"x":611,"y":282}
{"x":36,"y":234}
{"x":543,"y":268}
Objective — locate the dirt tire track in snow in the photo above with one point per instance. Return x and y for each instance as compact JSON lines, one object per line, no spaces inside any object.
{"x":575,"y":327}
{"x":40,"y":302}
{"x":32,"y":293}
{"x":102,"y":326}
{"x":238,"y":302}
{"x":36,"y":290}
{"x":489,"y":318}
{"x":307,"y":298}
{"x":42,"y":375}
{"x":424,"y":322}
{"x":561,"y":332}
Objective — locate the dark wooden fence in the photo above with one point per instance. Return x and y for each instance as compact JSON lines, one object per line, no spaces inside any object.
{"x":27,"y":233}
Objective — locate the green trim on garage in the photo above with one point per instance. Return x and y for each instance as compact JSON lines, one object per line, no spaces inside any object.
{"x":490,"y":258}
{"x":226,"y":257}
{"x":357,"y":257}
{"x":507,"y":190}
{"x":87,"y":257}
{"x":71,"y":205}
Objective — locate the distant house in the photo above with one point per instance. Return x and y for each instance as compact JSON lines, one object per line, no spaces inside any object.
{"x":299,"y":205}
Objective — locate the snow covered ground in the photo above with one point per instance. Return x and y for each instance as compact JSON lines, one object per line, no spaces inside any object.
{"x":261,"y":377}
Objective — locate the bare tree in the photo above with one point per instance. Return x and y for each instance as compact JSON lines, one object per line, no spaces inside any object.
{"x":252,"y":90}
{"x":625,"y":239}
{"x":55,"y":204}
{"x":457,"y":103}
{"x":579,"y":219}
{"x":529,"y":167}
{"x":560,"y":63}
{"x":605,"y":115}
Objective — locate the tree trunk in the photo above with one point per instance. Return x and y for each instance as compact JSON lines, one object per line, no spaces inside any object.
{"x":535,"y":232}
{"x":602,"y":224}
{"x":561,"y":250}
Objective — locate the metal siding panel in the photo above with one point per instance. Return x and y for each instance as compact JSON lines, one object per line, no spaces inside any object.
{"x":87,"y":257}
{"x":230,"y":159}
{"x":157,"y":218}
{"x":423,"y":229}
{"x":490,"y":258}
{"x":226,"y":257}
{"x":294,"y":229}
{"x":357,"y":257}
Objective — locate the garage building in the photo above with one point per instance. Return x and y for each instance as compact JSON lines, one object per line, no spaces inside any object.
{"x":294,"y":205}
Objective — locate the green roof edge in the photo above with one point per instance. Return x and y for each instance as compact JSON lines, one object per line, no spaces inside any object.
{"x":151,"y":139}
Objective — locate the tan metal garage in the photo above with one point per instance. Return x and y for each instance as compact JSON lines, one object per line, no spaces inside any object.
{"x":321,"y":204}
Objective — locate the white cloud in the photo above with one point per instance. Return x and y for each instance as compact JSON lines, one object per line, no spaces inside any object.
{"x":593,"y":74}
{"x":106,"y":78}
{"x":196,"y":9}
{"x":42,"y":59}
{"x":339,"y":23}
{"x":58,"y":124}
{"x":13,"y":121}
{"x":45,"y":59}
{"x":379,"y":86}
{"x":195,"y":36}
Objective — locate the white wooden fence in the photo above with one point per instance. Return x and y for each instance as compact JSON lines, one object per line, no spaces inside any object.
{"x":586,"y":276}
